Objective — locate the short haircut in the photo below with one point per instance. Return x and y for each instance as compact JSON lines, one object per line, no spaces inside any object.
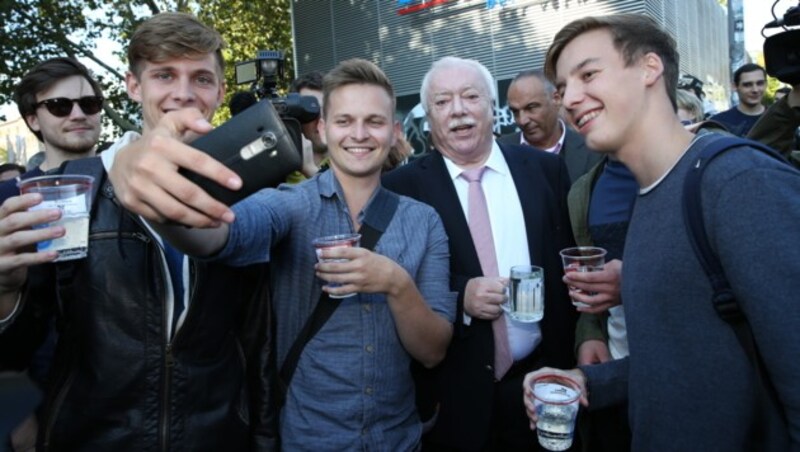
{"x":749,"y":67}
{"x":42,"y":77}
{"x":539,"y":74}
{"x":12,"y":167}
{"x":171,"y":35}
{"x":690,"y":103}
{"x":311,"y":80}
{"x":633,"y":35}
{"x":451,"y":61}
{"x":355,"y":72}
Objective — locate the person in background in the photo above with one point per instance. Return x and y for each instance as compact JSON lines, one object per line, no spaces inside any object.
{"x":750,"y":82}
{"x":61,"y":103}
{"x":781,"y":92}
{"x":10,"y":171}
{"x":778,"y":127}
{"x":315,"y":152}
{"x":690,"y":108}
{"x":536,"y":106}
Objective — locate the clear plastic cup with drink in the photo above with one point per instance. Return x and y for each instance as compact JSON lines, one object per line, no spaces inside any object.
{"x":525,"y":293}
{"x":583,"y":259}
{"x":555,"y":399}
{"x":72,"y":194}
{"x":331,"y":242}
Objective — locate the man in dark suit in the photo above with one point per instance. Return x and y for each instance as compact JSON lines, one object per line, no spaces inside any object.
{"x":479,"y":397}
{"x":535,"y":104}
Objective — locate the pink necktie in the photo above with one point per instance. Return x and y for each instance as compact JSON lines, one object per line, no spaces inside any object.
{"x":480,"y":227}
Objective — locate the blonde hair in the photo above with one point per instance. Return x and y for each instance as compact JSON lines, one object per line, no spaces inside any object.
{"x":690,"y":103}
{"x":355,"y":71}
{"x":173,"y":35}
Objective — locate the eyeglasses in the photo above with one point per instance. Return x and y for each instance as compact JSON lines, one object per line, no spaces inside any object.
{"x":61,"y":106}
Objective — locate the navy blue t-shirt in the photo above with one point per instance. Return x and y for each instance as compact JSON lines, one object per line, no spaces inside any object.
{"x":735,"y":121}
{"x":611,"y":206}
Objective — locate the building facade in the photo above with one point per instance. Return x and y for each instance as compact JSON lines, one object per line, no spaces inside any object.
{"x":18,"y":142}
{"x":508,"y":36}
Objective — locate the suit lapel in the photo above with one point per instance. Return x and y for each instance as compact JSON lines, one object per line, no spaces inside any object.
{"x":441,"y":194}
{"x":528,"y":179}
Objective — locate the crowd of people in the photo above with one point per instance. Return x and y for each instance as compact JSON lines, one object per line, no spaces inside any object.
{"x":194,"y":325}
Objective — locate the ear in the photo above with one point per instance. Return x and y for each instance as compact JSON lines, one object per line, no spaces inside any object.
{"x":133,"y":87}
{"x":33,"y":122}
{"x":321,"y":130}
{"x":221,"y":94}
{"x":398,"y":132}
{"x":653,"y":68}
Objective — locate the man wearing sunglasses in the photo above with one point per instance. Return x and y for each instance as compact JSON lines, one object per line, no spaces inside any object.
{"x":60,"y":103}
{"x":155,"y":351}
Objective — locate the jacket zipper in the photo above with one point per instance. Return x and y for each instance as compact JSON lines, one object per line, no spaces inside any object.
{"x":169,"y":363}
{"x":57,"y":402}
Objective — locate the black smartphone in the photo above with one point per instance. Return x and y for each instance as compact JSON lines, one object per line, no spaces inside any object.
{"x":255,"y":145}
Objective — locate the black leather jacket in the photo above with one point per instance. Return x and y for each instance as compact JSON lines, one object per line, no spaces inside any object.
{"x":119,"y":383}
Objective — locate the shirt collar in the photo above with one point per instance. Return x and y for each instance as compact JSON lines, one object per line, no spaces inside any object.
{"x":496,"y":162}
{"x":559,"y":144}
{"x":329,"y":187}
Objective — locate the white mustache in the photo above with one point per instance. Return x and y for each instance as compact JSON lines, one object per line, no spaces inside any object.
{"x":460,"y":122}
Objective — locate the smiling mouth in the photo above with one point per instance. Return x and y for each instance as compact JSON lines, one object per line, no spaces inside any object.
{"x":358,"y":150}
{"x":587,"y":117}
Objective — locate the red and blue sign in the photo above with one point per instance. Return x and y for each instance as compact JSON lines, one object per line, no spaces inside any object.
{"x":413,"y":6}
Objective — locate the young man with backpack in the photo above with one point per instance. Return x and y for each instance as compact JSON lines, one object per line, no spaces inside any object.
{"x":689,"y":382}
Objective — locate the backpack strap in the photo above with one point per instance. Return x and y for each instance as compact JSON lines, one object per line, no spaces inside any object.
{"x":376,"y":220}
{"x":723,"y":298}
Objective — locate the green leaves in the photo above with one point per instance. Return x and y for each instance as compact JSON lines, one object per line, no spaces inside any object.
{"x":97,"y":32}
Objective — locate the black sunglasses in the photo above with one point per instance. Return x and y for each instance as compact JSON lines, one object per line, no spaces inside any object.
{"x":61,"y":106}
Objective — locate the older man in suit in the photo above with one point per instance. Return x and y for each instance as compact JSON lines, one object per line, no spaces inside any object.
{"x":478,"y":387}
{"x":535,"y":104}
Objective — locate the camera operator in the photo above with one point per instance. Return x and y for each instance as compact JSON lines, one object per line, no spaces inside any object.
{"x":315,"y":152}
{"x":779,"y":124}
{"x":778,"y":127}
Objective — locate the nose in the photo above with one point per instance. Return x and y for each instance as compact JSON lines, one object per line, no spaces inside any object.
{"x":571,"y":96}
{"x":77,"y":113}
{"x":359,"y":131}
{"x":184,"y":91}
{"x":458,"y":106}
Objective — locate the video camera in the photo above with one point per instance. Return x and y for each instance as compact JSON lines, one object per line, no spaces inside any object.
{"x":263,"y":74}
{"x":781,"y":52}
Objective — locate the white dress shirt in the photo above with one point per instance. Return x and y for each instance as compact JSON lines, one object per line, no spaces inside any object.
{"x":509,"y":235}
{"x":556,"y":148}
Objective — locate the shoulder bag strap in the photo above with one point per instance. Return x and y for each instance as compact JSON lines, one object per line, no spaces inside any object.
{"x":376,"y":220}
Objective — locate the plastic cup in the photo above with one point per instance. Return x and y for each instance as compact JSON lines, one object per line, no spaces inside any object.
{"x":583,"y":259}
{"x":555,"y":399}
{"x":335,"y":241}
{"x":72,"y":194}
{"x":525,"y":293}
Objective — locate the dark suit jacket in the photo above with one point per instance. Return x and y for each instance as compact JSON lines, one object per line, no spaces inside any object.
{"x":578,"y":157}
{"x":464,"y":381}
